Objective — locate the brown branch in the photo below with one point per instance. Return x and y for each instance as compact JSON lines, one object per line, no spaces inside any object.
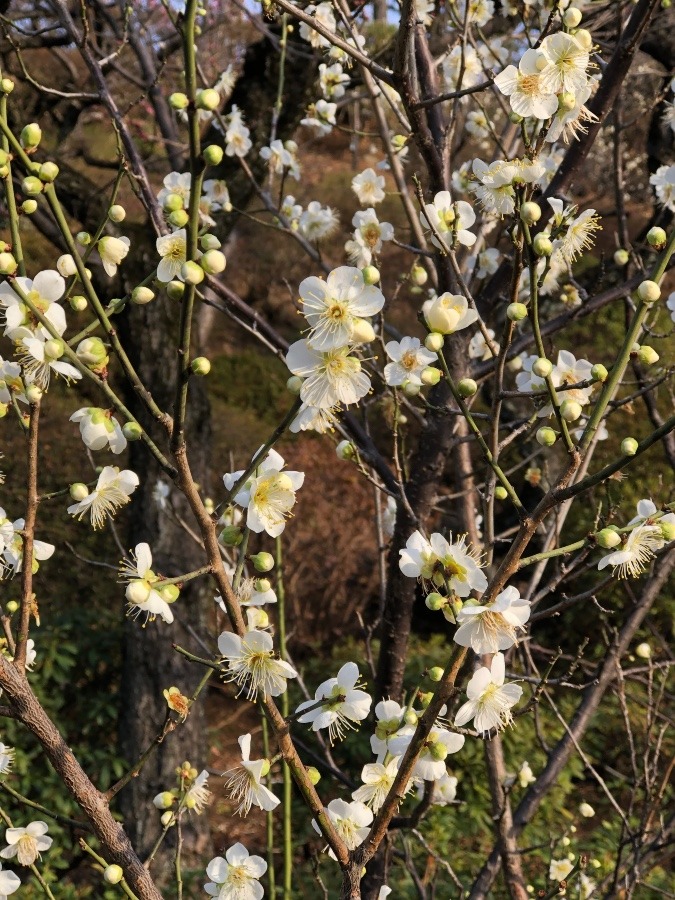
{"x":28,"y":538}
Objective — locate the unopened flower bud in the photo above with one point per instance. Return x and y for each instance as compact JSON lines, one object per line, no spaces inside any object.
{"x":178,"y":100}
{"x":516,"y":312}
{"x":530,"y":212}
{"x":294,"y":384}
{"x":31,"y":135}
{"x":431,"y":375}
{"x":167,"y":818}
{"x":12,"y":606}
{"x":208,"y":99}
{"x":200,"y":365}
{"x":29,"y":207}
{"x":137,"y":591}
{"x":66,"y":265}
{"x":571,"y":17}
{"x":192,"y":272}
{"x":113,"y":874}
{"x":313,"y":774}
{"x":6,"y":85}
{"x":434,"y":341}
{"x":438,"y":751}
{"x":132,"y":431}
{"x":584,"y":37}
{"x":621,"y":257}
{"x":262,"y":562}
{"x":648,"y":291}
{"x":142,"y":295}
{"x":410,"y":717}
{"x":419,"y":276}
{"x":179,"y":218}
{"x":546,"y":436}
{"x":434,"y":601}
{"x":435,"y":673}
{"x":165,"y":800}
{"x":608,"y":538}
{"x":213,"y":155}
{"x":262,"y":585}
{"x":599,"y":372}
{"x":586,"y":810}
{"x":542,"y":367}
{"x":500,"y":492}
{"x":175,"y":290}
{"x":117,"y":213}
{"x":542,"y":245}
{"x":92,"y":352}
{"x":410,"y":389}
{"x":656,"y":238}
{"x":79,"y":491}
{"x":371,"y":275}
{"x":173,"y":202}
{"x":647,"y":355}
{"x":643,"y":650}
{"x":48,"y":172}
{"x":213,"y":262}
{"x":362,"y":331}
{"x":567,"y":101}
{"x":54,"y":348}
{"x":169,"y":593}
{"x":209,"y":242}
{"x":425,"y":698}
{"x":32,"y":186}
{"x":83,"y":238}
{"x":231,"y":536}
{"x":33,"y":393}
{"x":466,"y":387}
{"x":265,"y":768}
{"x":570,"y":410}
{"x":667,"y":530}
{"x":629,"y":446}
{"x":8,"y":264}
{"x":345,"y":450}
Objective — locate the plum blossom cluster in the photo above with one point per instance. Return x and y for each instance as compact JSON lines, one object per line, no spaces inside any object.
{"x":634,"y":548}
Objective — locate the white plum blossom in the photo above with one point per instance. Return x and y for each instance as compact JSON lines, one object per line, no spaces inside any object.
{"x":445,"y":790}
{"x":177,"y":183}
{"x":368,"y":237}
{"x":40,"y":355}
{"x":351,"y":821}
{"x":443,"y":562}
{"x":252,"y":665}
{"x":663,"y":182}
{"x":268,"y":495}
{"x":489,"y":699}
{"x":198,"y":795}
{"x":332,"y":80}
{"x":377,"y":780}
{"x":390,"y":722}
{"x":635,"y":554}
{"x":237,"y":877}
{"x":276,"y":156}
{"x":113,"y":490}
{"x":335,"y":307}
{"x":565,"y":63}
{"x":244,"y":782}
{"x":487,"y":262}
{"x":579,"y":235}
{"x":409,"y":359}
{"x":323,"y":14}
{"x":173,"y":251}
{"x":559,"y":869}
{"x":44,"y":291}
{"x":430,"y":764}
{"x":9,"y":883}
{"x":448,"y":313}
{"x":450,"y":219}
{"x":142,"y":595}
{"x":338,"y":704}
{"x":479,"y":12}
{"x":528,"y":93}
{"x":368,"y":187}
{"x":99,"y":429}
{"x":318,"y":222}
{"x":11,"y":545}
{"x":112,"y":251}
{"x":479,"y":347}
{"x":568,"y":122}
{"x":320,"y":116}
{"x":670,"y":305}
{"x":26,"y":844}
{"x":462,"y":61}
{"x":6,"y":758}
{"x":331,"y":378}
{"x":493,"y":627}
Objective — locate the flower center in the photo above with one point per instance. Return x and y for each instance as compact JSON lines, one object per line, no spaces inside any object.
{"x":27,"y":850}
{"x":409,"y":360}
{"x":337,"y":311}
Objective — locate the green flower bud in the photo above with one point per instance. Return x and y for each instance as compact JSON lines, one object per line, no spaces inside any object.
{"x":438,"y":751}
{"x":31,"y":135}
{"x":213,"y":262}
{"x":546,"y":436}
{"x":410,"y":717}
{"x":542,"y":245}
{"x":262,"y":562}
{"x":530,"y":212}
{"x":208,"y":99}
{"x":265,"y":768}
{"x":213,"y":155}
{"x":54,"y":348}
{"x":542,"y":367}
{"x":178,"y":100}
{"x":175,"y":290}
{"x":34,"y":393}
{"x":467,"y":387}
{"x":570,"y":410}
{"x":92,"y":352}
{"x":667,"y":530}
{"x":231,"y":536}
{"x":599,"y":372}
{"x":419,"y":276}
{"x":656,"y":238}
{"x":8,"y":264}
{"x":169,"y":593}
{"x":29,"y":206}
{"x":584,"y":37}
{"x":313,"y":774}
{"x":48,"y":172}
{"x":607,"y":538}
{"x":500,"y":492}
{"x":643,"y":650}
{"x":621,"y":257}
{"x":516,"y":312}
{"x":132,"y":431}
{"x":629,"y":446}
{"x":6,"y":85}
{"x":567,"y":101}
{"x":371,"y":275}
{"x":647,"y":355}
{"x":425,"y":698}
{"x":32,"y":186}
{"x":12,"y":607}
{"x":83,"y":238}
{"x":179,"y":218}
{"x":4,"y":158}
{"x":514,"y":118}
{"x":431,"y":375}
{"x":262,"y":585}
{"x":167,"y":818}
{"x":345,"y":451}
{"x":173,"y":202}
{"x":142,"y":295}
{"x":435,"y":673}
{"x":79,"y":491}
{"x":294,"y":384}
{"x":117,"y":213}
{"x":571,"y":17}
{"x":4,"y":409}
{"x":648,"y":291}
{"x":165,"y":800}
{"x":434,"y":601}
{"x":434,"y":341}
{"x":113,"y":874}
{"x":410,"y":389}
{"x":192,"y":272}
{"x":200,"y":365}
